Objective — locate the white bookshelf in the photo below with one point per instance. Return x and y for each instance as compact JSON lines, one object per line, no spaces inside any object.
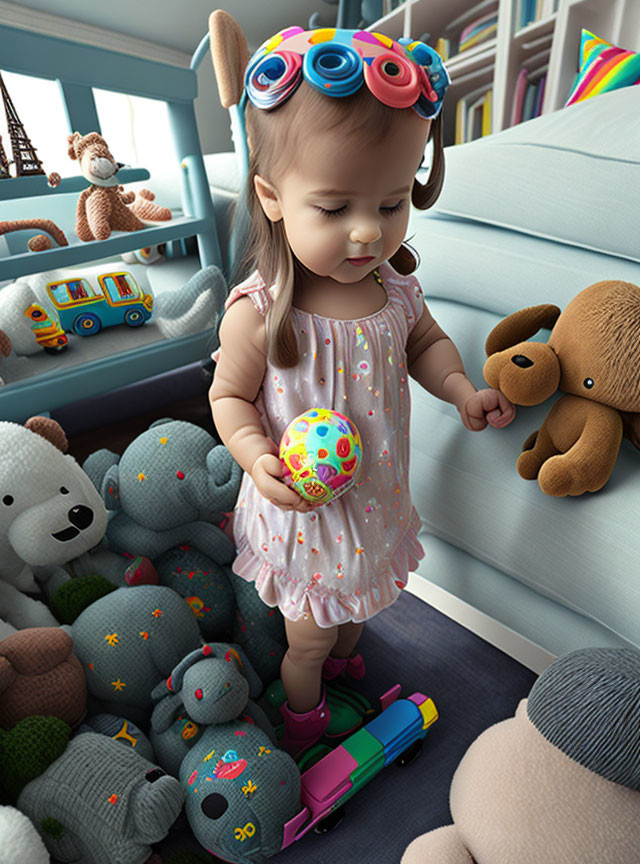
{"x":553,"y":41}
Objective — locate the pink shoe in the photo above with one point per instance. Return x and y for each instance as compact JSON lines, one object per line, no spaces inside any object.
{"x":332,"y":667}
{"x":353,"y":666}
{"x":356,"y":667}
{"x":303,"y":730}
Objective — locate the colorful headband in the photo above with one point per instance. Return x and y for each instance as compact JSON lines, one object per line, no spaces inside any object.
{"x":402,"y":74}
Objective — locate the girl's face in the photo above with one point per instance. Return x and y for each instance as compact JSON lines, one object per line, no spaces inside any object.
{"x":346,"y":207}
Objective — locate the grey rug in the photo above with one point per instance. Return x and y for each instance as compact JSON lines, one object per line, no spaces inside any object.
{"x":473,"y":684}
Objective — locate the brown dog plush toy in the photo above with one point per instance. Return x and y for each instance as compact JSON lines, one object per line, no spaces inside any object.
{"x":593,"y":355}
{"x":102,"y":208}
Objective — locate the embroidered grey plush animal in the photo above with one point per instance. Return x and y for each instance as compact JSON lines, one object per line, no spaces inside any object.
{"x":171,"y":486}
{"x":240,"y":792}
{"x":101,"y":803}
{"x":170,"y":490}
{"x":210,"y":686}
{"x":130,"y":640}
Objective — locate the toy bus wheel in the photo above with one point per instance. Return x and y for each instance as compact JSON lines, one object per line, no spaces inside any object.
{"x":134,"y":318}
{"x":87,"y":325}
{"x":330,"y":822}
{"x":410,"y":754}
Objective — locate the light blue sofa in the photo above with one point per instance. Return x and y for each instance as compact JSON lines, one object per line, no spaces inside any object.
{"x":531,"y":215}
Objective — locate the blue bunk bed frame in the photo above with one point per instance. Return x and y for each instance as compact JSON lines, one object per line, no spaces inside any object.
{"x":78,"y":68}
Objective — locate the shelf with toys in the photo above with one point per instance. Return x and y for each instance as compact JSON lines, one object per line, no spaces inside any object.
{"x":31,"y":202}
{"x":523,"y":52}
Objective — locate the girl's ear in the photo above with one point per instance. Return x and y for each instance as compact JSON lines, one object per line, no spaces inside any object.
{"x":268,"y":197}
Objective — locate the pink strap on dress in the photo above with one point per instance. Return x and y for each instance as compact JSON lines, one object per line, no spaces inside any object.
{"x":255,"y":289}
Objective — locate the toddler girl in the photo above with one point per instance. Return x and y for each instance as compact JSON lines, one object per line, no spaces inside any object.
{"x":337,"y":123}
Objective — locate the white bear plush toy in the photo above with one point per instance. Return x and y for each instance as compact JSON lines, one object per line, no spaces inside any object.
{"x":50,"y":513}
{"x":20,"y":843}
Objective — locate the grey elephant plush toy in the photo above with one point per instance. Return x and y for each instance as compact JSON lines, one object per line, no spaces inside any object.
{"x":172,"y":485}
{"x":210,"y":686}
{"x":129,"y":641}
{"x":170,"y":490}
{"x":101,"y":803}
{"x":240,"y":792}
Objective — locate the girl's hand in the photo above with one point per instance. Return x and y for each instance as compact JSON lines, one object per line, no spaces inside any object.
{"x":487,"y":406}
{"x":266,"y":474}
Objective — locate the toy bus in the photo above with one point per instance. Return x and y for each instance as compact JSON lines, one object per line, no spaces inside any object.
{"x":85,"y":308}
{"x":397,"y":731}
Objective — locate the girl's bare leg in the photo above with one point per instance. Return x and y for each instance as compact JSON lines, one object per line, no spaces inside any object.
{"x":348,"y":637}
{"x":301,"y":670}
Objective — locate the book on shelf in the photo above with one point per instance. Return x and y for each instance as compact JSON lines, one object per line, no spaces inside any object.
{"x":473,"y":115}
{"x":475,"y":25}
{"x":528,"y":11}
{"x":442,"y":47}
{"x":480,"y":34}
{"x":528,"y":94}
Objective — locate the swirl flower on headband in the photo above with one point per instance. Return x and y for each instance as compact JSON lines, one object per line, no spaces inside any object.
{"x":402,"y":74}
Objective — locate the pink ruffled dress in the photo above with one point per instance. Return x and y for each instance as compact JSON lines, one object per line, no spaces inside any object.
{"x":348,"y":559}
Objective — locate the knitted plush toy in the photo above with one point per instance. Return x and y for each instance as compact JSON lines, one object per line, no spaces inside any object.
{"x":130,"y":640}
{"x":102,"y":208}
{"x":101,"y":803}
{"x":170,"y":490}
{"x":40,"y":674}
{"x":51,"y":521}
{"x":593,"y":355}
{"x":240,"y":792}
{"x":210,"y":686}
{"x":560,"y":781}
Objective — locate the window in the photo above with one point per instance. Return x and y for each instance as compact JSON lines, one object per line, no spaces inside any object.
{"x":70,"y":291}
{"x":137,"y":130}
{"x":120,"y":287}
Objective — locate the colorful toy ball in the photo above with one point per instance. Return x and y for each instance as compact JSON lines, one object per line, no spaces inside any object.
{"x":321,"y":452}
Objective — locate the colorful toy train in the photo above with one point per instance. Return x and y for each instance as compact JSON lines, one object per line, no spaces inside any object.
{"x":325,"y":787}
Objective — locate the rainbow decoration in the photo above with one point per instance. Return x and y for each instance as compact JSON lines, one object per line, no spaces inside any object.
{"x":321,"y":453}
{"x":402,"y":74}
{"x":603,"y":67}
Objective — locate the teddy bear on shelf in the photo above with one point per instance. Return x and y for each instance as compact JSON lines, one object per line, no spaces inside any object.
{"x":103,"y":207}
{"x":558,"y":782}
{"x":593,"y":355}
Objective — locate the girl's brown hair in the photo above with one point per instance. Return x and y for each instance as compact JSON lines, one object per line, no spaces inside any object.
{"x":275,"y":137}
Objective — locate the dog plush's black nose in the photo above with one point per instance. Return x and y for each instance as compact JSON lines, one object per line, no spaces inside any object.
{"x":81,"y":517}
{"x":522,"y":361}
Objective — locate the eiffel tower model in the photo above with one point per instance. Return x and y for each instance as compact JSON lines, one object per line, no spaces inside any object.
{"x":24,"y":153}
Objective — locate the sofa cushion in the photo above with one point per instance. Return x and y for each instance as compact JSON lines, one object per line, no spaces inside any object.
{"x":582,"y":552}
{"x":572,"y":175}
{"x":503,"y":271}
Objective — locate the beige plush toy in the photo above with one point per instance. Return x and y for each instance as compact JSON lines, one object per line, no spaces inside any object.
{"x":102,"y":208}
{"x":559,"y":783}
{"x":593,"y":355}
